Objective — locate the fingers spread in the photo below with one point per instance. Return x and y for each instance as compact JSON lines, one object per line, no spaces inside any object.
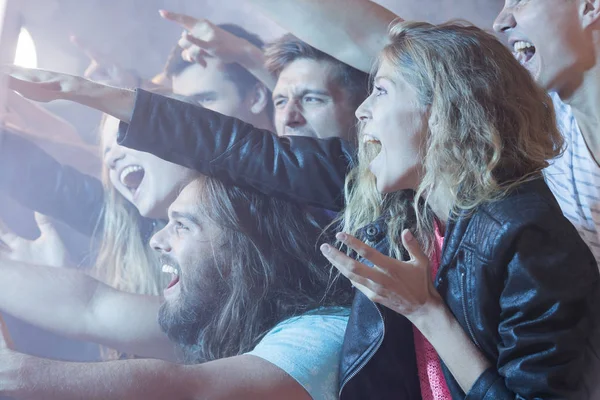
{"x":363,"y":250}
{"x":414,"y":248}
{"x":351,"y":268}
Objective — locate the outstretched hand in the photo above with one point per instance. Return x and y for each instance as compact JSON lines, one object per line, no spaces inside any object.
{"x":48,"y":249}
{"x":403,"y":286}
{"x":202,"y":39}
{"x":43,"y":86}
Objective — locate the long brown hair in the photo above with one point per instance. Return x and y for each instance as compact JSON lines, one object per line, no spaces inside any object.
{"x":274,"y":268}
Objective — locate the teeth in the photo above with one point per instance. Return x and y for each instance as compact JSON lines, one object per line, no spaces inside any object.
{"x":368,"y":138}
{"x":129,"y":170}
{"x":170,"y":270}
{"x":521,"y":46}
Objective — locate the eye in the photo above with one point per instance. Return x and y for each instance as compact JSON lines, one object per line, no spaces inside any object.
{"x":208,"y":99}
{"x":312,"y":100}
{"x":379,"y":91}
{"x":180,"y":227}
{"x":279,"y":103}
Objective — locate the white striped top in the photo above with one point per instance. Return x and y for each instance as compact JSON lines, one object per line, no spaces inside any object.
{"x":574,"y":178}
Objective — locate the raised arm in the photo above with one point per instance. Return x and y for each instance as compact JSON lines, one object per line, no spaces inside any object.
{"x":73,"y":304}
{"x":39,"y":182}
{"x":301,"y":169}
{"x":203,"y":38}
{"x":353,"y":31}
{"x":242,"y":377}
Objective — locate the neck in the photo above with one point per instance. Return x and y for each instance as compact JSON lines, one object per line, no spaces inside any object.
{"x":440,"y":206}
{"x":585,"y":103}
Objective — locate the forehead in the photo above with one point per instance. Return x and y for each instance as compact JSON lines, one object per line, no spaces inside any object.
{"x":390,"y":74}
{"x":188,"y":199}
{"x":386,"y":68}
{"x":555,"y":7}
{"x":196,"y":79}
{"x":303,"y":73}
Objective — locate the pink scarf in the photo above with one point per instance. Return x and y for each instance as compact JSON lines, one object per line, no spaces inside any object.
{"x":433,"y":383}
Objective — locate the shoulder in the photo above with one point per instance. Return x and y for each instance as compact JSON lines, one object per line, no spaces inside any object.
{"x":528,"y":216}
{"x":308,"y":348}
{"x":329,"y":323}
{"x":531,"y":201}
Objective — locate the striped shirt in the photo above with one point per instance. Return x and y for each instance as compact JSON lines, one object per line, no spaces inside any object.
{"x":574,"y":178}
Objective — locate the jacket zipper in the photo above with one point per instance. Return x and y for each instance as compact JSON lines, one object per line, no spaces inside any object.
{"x":464,"y":304}
{"x":361,"y":366}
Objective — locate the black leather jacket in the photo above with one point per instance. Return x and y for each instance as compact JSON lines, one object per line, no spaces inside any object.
{"x":515,"y":273}
{"x":36,"y":180}
{"x":378,"y":359}
{"x":378,"y":356}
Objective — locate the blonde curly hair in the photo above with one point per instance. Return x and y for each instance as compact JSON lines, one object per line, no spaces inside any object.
{"x":491,"y":127}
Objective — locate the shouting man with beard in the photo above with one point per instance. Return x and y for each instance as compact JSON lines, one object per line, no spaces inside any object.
{"x":251,"y":307}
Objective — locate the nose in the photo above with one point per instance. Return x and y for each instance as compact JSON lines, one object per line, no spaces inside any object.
{"x":363,"y":112}
{"x":292,"y":115}
{"x":160,"y":242}
{"x":113,"y":155}
{"x":505,"y":21}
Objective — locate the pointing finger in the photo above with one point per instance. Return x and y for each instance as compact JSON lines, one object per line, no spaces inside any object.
{"x":185,"y":21}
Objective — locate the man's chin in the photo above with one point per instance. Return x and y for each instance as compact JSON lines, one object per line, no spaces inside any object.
{"x":181,"y":328}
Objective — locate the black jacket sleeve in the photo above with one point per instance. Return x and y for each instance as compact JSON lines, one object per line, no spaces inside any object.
{"x":39,"y":182}
{"x":548,"y":311}
{"x":307,"y":170}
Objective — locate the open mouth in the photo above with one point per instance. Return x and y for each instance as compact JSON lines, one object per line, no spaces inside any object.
{"x":174,"y":284}
{"x":523,"y":51}
{"x":131,"y":177}
{"x":368,"y":139}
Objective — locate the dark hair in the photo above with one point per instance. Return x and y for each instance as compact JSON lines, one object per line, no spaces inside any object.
{"x":287,"y":49}
{"x":274,"y":268}
{"x":243,"y":80}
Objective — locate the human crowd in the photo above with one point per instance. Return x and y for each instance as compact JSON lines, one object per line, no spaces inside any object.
{"x":364,"y":208}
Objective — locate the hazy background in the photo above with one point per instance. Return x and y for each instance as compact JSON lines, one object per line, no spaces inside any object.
{"x":134,"y":35}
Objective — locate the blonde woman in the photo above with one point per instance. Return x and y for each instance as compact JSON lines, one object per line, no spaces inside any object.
{"x":511,"y":309}
{"x":456,"y":120}
{"x":124,"y":211}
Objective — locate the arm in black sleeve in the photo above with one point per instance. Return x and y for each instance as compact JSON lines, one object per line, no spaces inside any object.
{"x":39,"y":182}
{"x":302,"y":169}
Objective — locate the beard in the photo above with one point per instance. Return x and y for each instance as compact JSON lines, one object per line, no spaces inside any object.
{"x":185,"y":319}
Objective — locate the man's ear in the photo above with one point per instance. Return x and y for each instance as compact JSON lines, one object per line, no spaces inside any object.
{"x":260,"y":98}
{"x":590,"y":13}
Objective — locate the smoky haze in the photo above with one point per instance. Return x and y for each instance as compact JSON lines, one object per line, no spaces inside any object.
{"x":135,"y":37}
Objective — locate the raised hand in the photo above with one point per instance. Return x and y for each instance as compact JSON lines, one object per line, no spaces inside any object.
{"x":202,"y":39}
{"x":403,"y":286}
{"x":48,"y":249}
{"x":103,"y":69}
{"x":44,"y":86}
